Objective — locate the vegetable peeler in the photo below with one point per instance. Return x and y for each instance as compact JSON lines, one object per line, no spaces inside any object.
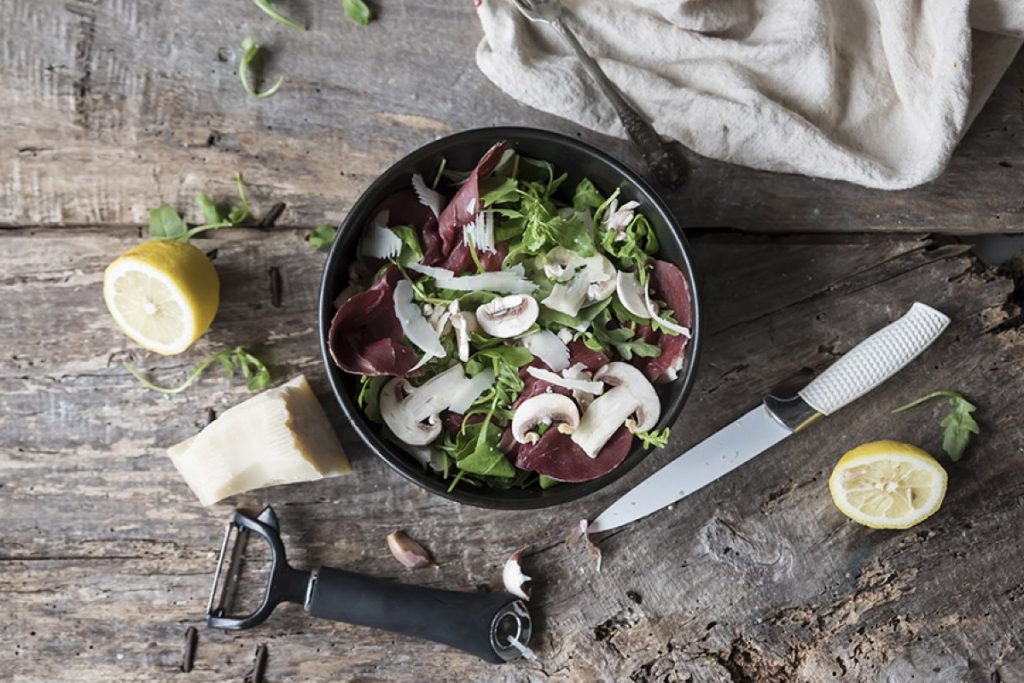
{"x":495,"y":627}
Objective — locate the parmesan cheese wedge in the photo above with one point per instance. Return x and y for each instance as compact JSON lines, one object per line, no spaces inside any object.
{"x":280,"y":436}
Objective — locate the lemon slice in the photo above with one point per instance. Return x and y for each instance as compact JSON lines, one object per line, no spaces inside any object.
{"x":163,"y":295}
{"x":887,"y":485}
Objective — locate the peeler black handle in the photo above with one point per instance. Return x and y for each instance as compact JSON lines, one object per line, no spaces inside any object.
{"x":477,"y":623}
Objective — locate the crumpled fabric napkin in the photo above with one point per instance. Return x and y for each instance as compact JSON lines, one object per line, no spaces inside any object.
{"x":875,"y":92}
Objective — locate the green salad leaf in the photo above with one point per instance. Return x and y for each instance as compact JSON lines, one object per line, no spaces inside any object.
{"x":268,"y":7}
{"x":321,"y":237}
{"x":621,"y":340}
{"x":255,"y":372}
{"x":369,"y":395}
{"x":250,"y":49}
{"x":166,"y":224}
{"x":357,"y":11}
{"x":587,"y":196}
{"x":654,"y":439}
{"x":957,"y":426}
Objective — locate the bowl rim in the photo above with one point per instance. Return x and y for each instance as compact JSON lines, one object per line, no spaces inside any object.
{"x":400,"y":461}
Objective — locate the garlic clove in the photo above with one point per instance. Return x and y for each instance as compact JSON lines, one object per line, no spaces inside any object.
{"x":408,"y":552}
{"x":513,"y":577}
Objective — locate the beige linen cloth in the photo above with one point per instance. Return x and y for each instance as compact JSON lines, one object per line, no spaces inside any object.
{"x":875,"y":92}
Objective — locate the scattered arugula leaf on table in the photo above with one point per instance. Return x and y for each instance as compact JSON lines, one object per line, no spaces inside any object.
{"x":357,"y":11}
{"x":958,"y":425}
{"x":232,"y":360}
{"x":321,"y":237}
{"x":272,"y":12}
{"x":250,"y":49}
{"x":166,"y":224}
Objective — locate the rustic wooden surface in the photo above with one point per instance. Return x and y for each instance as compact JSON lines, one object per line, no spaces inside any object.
{"x":138,"y":101}
{"x":111,"y":106}
{"x":106,"y":556}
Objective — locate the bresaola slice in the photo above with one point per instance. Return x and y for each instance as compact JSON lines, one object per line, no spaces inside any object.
{"x":670,"y":286}
{"x":463,"y":207}
{"x":556,"y":456}
{"x":366,"y":336}
{"x":590,"y":359}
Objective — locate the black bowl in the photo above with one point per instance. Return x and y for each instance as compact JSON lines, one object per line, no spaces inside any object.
{"x":462,"y":151}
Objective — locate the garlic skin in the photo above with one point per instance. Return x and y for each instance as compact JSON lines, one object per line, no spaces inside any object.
{"x":513,"y":577}
{"x":408,"y":552}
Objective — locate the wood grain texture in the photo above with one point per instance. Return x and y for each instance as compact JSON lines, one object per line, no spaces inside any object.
{"x":112,"y":106}
{"x":106,"y":557}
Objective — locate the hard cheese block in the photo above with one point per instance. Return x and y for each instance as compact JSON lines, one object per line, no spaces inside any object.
{"x":281,"y":436}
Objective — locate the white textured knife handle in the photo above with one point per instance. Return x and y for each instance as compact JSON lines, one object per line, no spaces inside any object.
{"x":875,"y":359}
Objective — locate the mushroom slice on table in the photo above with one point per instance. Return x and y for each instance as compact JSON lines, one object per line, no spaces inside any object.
{"x":632,"y":401}
{"x":412,"y":413}
{"x":507,"y":316}
{"x":544,"y":409}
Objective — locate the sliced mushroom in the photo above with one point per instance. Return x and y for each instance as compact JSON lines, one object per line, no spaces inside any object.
{"x":412,"y":413}
{"x":631,"y":296}
{"x":578,"y":280}
{"x":560,"y":264}
{"x":544,"y":409}
{"x":632,"y":402}
{"x":601,"y":278}
{"x":568,"y":298}
{"x":464,"y":323}
{"x":507,"y":316}
{"x":578,"y":371}
{"x":618,"y":218}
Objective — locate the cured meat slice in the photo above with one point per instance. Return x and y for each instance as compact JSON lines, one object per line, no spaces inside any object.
{"x":590,"y":359}
{"x":556,"y":455}
{"x":366,"y":337}
{"x":669,"y":285}
{"x":463,"y":207}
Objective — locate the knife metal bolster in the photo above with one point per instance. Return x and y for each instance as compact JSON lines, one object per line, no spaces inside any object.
{"x":792,"y":413}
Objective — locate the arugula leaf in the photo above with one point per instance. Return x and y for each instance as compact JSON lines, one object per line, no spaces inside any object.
{"x":412,"y":252}
{"x":249,"y":51}
{"x":958,"y":425}
{"x":586,"y":196}
{"x":357,"y":11}
{"x":654,"y":439}
{"x":166,"y":224}
{"x":369,"y":395}
{"x":268,"y":7}
{"x":210,"y":211}
{"x":636,"y":244}
{"x":252,"y":368}
{"x":321,"y":236}
{"x":604,"y":339}
{"x":497,"y":190}
{"x":547,"y":482}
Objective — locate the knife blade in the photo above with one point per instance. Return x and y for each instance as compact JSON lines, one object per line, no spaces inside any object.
{"x":863,"y":368}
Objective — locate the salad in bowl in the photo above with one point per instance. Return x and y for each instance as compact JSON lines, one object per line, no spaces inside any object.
{"x":510,"y":331}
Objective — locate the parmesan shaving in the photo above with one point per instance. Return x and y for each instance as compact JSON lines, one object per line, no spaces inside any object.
{"x":549,"y":348}
{"x":511,"y":281}
{"x":414,"y":325}
{"x":653,"y":310}
{"x":588,"y":386}
{"x":471,"y":391}
{"x":378,"y":241}
{"x":429,"y":198}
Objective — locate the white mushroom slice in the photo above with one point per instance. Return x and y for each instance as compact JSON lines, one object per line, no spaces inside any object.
{"x":560,"y":264}
{"x":544,"y":409}
{"x":464,"y":323}
{"x":508,"y":316}
{"x":568,"y":298}
{"x":549,"y":348}
{"x":632,"y":402}
{"x":414,"y":325}
{"x":378,"y":241}
{"x":601,"y":278}
{"x":511,"y":281}
{"x":588,"y":386}
{"x":579,"y":371}
{"x":653,"y":310}
{"x":631,"y":297}
{"x":471,"y":391}
{"x":412,"y":412}
{"x":618,"y":218}
{"x":429,"y":198}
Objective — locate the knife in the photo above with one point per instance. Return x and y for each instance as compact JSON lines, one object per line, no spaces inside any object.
{"x":863,"y":368}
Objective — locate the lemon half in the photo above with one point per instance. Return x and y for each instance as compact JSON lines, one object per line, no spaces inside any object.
{"x":887,"y":485}
{"x":163,"y":295}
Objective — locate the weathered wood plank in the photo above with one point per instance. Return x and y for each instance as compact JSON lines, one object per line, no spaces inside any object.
{"x":106,"y":557}
{"x":138,"y":102}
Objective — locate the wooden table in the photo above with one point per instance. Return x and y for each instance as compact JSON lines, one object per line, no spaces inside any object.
{"x":112,"y":106}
